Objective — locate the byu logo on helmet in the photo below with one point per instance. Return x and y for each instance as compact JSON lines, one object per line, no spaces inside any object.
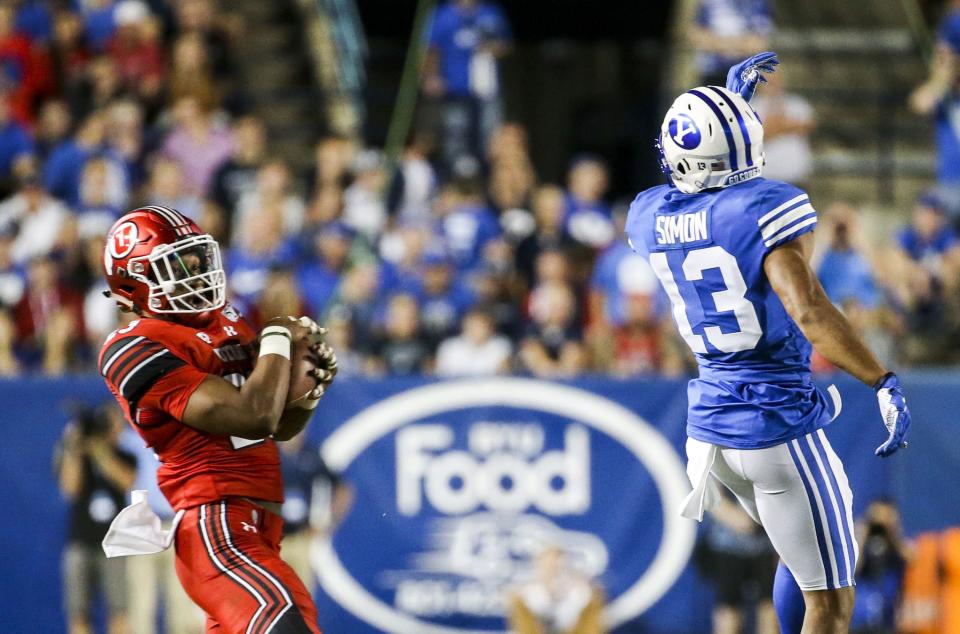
{"x":684,"y":132}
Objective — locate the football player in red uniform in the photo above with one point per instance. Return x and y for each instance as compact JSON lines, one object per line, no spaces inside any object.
{"x":187,"y":379}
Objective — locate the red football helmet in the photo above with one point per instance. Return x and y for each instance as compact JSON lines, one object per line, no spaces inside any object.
{"x":159,"y":261}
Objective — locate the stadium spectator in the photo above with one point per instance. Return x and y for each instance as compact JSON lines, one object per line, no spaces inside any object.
{"x":559,"y":599}
{"x":238,"y":175}
{"x":726,"y":31}
{"x":190,"y":73}
{"x":280,"y":296}
{"x":442,"y":299}
{"x":198,"y":142}
{"x":466,"y":223}
{"x":333,"y":161}
{"x":199,"y":17}
{"x":314,"y":501}
{"x":364,"y":206}
{"x":787,"y":123}
{"x":415,"y":182}
{"x":477,"y":351}
{"x":465,"y":41}
{"x":552,"y":347}
{"x":9,"y":366}
{"x":125,"y":136}
{"x":641,"y":345}
{"x":737,"y":559}
{"x":18,"y":72}
{"x":937,"y":96}
{"x":272,"y":195}
{"x":548,"y":211}
{"x":16,"y":146}
{"x":35,"y":218}
{"x":847,"y":272}
{"x":495,"y":294}
{"x":63,"y":169}
{"x":399,"y":349}
{"x":165,"y":188}
{"x":350,"y":361}
{"x":94,"y":475}
{"x":358,"y":299}
{"x":53,"y":126}
{"x":49,"y":319}
{"x":136,"y":51}
{"x":152,"y":579}
{"x":587,"y":218}
{"x":33,"y":20}
{"x":259,"y":245}
{"x":102,"y":197}
{"x":12,"y":281}
{"x":68,"y":55}
{"x":99,"y":24}
{"x":884,"y":554}
{"x":319,"y":273}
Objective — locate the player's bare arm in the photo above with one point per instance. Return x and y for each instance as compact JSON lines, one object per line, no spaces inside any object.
{"x":788,"y":269}
{"x":253,"y":410}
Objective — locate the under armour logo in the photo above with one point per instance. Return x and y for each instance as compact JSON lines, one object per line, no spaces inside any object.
{"x":231,"y":331}
{"x":248,"y":527}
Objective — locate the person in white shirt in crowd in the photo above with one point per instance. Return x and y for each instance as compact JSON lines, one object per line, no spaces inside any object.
{"x":477,"y":351}
{"x":37,"y":217}
{"x":364,"y":208}
{"x":788,"y":120}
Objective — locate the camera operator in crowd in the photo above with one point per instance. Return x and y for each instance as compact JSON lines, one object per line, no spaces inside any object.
{"x":883,"y":557}
{"x":94,"y":476}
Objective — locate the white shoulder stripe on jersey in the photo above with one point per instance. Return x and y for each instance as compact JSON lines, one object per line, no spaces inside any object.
{"x":786,"y":219}
{"x":773,"y":213}
{"x":116,"y":355}
{"x":139,"y":367}
{"x":790,"y":231}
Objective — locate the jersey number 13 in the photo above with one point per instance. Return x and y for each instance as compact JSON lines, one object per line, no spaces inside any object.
{"x":731,"y":299}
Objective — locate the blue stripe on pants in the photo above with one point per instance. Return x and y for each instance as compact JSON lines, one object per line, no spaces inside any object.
{"x":833,"y":522}
{"x":815,"y":512}
{"x":845,"y":525}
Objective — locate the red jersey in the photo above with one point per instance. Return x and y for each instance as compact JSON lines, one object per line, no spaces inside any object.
{"x":152,"y":367}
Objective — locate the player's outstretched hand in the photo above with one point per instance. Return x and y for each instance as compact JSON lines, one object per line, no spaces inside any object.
{"x":743,"y":78}
{"x":896,"y":415}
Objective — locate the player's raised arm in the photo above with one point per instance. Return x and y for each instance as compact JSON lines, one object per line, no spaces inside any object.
{"x":788,"y":270}
{"x":254,"y":410}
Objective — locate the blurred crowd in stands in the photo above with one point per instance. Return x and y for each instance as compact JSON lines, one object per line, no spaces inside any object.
{"x":447,"y":262}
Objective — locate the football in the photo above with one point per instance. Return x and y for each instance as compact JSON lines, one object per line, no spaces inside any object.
{"x":303,"y":359}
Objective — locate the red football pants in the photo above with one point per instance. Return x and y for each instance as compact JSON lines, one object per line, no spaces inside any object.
{"x":228,"y":560}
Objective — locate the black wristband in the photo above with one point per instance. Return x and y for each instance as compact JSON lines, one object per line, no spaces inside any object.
{"x":882,"y":380}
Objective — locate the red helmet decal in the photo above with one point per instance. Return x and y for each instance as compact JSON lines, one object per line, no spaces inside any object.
{"x":123,"y":240}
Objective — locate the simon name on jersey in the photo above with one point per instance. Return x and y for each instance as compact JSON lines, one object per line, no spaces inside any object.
{"x":688,"y":228}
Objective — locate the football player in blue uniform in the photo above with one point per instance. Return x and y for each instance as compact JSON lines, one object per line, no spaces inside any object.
{"x":732,"y":251}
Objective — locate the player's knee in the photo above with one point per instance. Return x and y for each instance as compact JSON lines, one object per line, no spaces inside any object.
{"x":830,"y":606}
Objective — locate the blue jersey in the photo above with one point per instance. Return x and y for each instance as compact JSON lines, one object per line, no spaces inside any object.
{"x":754,"y":389}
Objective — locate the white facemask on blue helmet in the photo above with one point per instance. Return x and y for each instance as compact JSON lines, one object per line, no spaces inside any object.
{"x":710,"y":137}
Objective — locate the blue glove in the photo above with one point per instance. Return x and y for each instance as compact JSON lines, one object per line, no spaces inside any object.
{"x":743,"y":78}
{"x":896,"y":416}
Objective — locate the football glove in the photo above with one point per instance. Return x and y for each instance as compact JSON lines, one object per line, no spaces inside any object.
{"x":896,"y":416}
{"x":324,"y":373}
{"x":743,"y":78}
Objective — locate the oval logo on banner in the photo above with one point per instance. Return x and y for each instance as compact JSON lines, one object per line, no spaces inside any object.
{"x":461,"y":484}
{"x":684,"y":131}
